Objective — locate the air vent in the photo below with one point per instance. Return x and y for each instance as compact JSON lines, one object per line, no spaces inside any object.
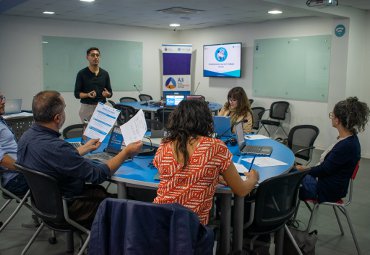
{"x":180,"y":10}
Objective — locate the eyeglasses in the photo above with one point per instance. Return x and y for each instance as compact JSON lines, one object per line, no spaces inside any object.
{"x":331,"y":115}
{"x":93,"y":55}
{"x":2,"y":99}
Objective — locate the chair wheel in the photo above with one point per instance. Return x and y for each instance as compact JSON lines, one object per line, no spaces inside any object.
{"x":52,"y":240}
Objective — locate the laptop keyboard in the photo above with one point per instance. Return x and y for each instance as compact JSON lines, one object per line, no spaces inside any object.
{"x":76,"y":144}
{"x":257,"y":150}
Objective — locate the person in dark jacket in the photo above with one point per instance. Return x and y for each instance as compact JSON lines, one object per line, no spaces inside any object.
{"x":329,"y":180}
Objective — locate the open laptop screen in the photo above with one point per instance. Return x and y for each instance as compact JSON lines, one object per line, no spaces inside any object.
{"x":173,"y":100}
{"x":240,"y":135}
{"x":222,"y":125}
{"x":13,"y":106}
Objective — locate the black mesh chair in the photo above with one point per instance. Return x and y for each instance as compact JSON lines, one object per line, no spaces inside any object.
{"x":164,"y":114}
{"x":127,"y":112}
{"x":49,"y":206}
{"x":72,"y":131}
{"x":301,"y":139}
{"x":21,"y":199}
{"x":257,"y":116}
{"x":250,"y":101}
{"x":19,"y":125}
{"x":145,"y":97}
{"x":274,"y":204}
{"x":112,"y":103}
{"x":127,"y":99}
{"x":277,"y":113}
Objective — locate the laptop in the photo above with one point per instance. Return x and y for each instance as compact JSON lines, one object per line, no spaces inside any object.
{"x":13,"y":106}
{"x":250,"y":149}
{"x":222,"y":126}
{"x":113,"y":148}
{"x":173,"y":100}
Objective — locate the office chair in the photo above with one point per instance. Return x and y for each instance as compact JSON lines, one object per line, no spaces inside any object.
{"x":72,"y":131}
{"x":127,"y":99}
{"x":112,"y":103}
{"x":123,"y":226}
{"x":257,"y":113}
{"x":127,"y":112}
{"x":145,"y":97}
{"x":21,"y":199}
{"x":301,"y":139}
{"x":51,"y":207}
{"x":164,"y":114}
{"x":340,"y":204}
{"x":274,"y":204}
{"x":19,"y":125}
{"x":277,"y":113}
{"x":250,"y":101}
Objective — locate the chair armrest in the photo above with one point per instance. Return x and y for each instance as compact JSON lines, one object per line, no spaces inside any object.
{"x":305,"y":149}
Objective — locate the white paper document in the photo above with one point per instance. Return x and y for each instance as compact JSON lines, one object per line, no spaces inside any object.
{"x":255,"y":137}
{"x":101,"y":122}
{"x":241,"y":168}
{"x":265,"y":161}
{"x":134,"y":129}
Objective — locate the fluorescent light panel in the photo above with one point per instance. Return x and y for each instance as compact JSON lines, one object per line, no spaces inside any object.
{"x":275,"y":12}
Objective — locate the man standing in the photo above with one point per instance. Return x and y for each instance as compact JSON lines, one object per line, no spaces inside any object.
{"x":41,"y":149}
{"x":92,"y":85}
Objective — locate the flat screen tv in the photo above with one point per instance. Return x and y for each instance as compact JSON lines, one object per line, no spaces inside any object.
{"x":222,"y":60}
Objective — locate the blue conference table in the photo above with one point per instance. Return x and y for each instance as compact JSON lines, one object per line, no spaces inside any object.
{"x":140,"y":172}
{"x":152,"y":107}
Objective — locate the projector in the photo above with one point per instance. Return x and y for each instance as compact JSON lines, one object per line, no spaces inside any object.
{"x":313,"y":3}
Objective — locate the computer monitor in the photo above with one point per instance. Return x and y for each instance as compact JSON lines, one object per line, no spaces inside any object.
{"x":173,"y":100}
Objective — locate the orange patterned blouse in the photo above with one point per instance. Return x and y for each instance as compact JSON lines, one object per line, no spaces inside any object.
{"x":193,"y":186}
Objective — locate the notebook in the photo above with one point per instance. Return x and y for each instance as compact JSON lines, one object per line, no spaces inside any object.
{"x":222,"y":126}
{"x":13,"y":106}
{"x":173,"y":100}
{"x":250,"y":149}
{"x":113,"y":148}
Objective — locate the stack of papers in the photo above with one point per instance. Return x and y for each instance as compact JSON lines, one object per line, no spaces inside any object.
{"x":265,"y":161}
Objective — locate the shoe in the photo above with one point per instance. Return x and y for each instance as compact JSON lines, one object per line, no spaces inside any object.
{"x":34,"y":224}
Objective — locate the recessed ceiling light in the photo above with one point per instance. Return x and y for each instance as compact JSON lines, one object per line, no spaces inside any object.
{"x":89,"y":1}
{"x":174,"y":25}
{"x":275,"y":12}
{"x":48,"y":12}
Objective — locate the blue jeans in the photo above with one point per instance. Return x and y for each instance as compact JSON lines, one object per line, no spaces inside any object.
{"x":17,"y":185}
{"x":309,"y":188}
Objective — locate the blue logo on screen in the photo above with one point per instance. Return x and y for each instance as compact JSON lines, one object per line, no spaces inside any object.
{"x":340,"y":30}
{"x":221,"y":54}
{"x":170,"y":83}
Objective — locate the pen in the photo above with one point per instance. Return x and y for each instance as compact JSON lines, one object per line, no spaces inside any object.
{"x":250,"y":167}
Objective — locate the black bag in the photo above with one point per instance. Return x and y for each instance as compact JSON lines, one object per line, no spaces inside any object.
{"x":306,"y":242}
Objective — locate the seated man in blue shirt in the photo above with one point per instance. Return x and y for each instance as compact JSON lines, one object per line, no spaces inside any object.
{"x":41,"y":149}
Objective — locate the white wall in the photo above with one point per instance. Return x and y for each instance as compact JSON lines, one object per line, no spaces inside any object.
{"x":21,"y":61}
{"x":21,"y":56}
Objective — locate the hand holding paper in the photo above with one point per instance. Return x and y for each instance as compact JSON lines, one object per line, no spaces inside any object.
{"x":134,"y":129}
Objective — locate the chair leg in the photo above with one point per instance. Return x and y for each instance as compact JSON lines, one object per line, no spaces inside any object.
{"x":338,"y":219}
{"x":293,"y":240}
{"x":84,"y":246}
{"x":313,"y":214}
{"x":296,"y":209}
{"x":15,"y":211}
{"x":25,"y":249}
{"x":352,"y":230}
{"x":5,"y":204}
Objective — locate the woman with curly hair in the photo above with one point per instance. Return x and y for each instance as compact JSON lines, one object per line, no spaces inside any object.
{"x":328,"y":181}
{"x":238,"y":108}
{"x":190,"y":161}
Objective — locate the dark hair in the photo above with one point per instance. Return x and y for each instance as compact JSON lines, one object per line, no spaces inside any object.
{"x":190,"y":119}
{"x":45,"y":105}
{"x":239,"y":94}
{"x":91,"y":49}
{"x":352,"y":114}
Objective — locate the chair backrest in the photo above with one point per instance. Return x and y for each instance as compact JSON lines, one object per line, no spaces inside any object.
{"x":19,"y":125}
{"x":257,"y":113}
{"x":302,"y":137}
{"x":275,"y":202}
{"x":250,"y":101}
{"x":154,"y":124}
{"x":127,"y":112}
{"x":72,"y":131}
{"x":136,"y":227}
{"x":278,"y":110}
{"x":164,"y":114}
{"x":111,"y":102}
{"x":145,"y":97}
{"x":46,"y":197}
{"x":127,"y":99}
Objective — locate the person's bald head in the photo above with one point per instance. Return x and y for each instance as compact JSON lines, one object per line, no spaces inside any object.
{"x":46,"y":105}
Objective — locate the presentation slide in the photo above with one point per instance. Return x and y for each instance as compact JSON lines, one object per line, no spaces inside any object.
{"x":222,"y":60}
